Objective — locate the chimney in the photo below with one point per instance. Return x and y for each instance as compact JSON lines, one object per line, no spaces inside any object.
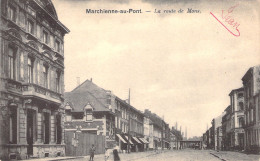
{"x":90,"y":79}
{"x":78,"y":81}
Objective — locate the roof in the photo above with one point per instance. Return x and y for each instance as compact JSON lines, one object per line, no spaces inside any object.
{"x":90,"y":87}
{"x":78,"y":101}
{"x":236,"y":90}
{"x":49,"y":8}
{"x":133,"y":108}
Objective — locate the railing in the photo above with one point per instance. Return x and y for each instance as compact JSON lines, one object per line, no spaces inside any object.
{"x":14,"y":85}
{"x":33,"y":89}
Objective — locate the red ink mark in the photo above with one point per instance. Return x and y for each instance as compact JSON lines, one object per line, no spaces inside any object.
{"x":229,"y":20}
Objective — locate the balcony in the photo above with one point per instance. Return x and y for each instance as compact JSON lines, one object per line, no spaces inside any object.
{"x":41,"y":92}
{"x":13,"y":86}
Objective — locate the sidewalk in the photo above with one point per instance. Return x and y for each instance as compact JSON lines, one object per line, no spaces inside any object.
{"x":52,"y":159}
{"x":236,"y":156}
{"x":100,"y":157}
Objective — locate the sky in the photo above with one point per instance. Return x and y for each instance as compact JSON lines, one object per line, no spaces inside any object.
{"x":181,"y":66}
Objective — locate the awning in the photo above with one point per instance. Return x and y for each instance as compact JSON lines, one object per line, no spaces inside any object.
{"x":130,"y":141}
{"x":137,"y":140}
{"x":120,"y":137}
{"x":144,"y":140}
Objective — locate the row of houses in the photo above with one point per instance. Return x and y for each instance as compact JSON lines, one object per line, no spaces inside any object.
{"x":92,"y":110}
{"x":37,"y":119}
{"x":238,"y":127}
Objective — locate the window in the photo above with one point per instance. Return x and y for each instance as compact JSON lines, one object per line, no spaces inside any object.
{"x":13,"y":125}
{"x":46,"y":127}
{"x":77,"y":115}
{"x":58,"y":82}
{"x":38,"y":72}
{"x":57,"y":46}
{"x":22,"y":19}
{"x":21,"y":66}
{"x":30,"y":27}
{"x":45,"y":37}
{"x":11,"y":63}
{"x":12,"y":13}
{"x":58,"y":129}
{"x":45,"y":76}
{"x":241,"y":122}
{"x":30,"y":70}
{"x":89,"y":116}
{"x":241,"y":106}
{"x":240,"y":95}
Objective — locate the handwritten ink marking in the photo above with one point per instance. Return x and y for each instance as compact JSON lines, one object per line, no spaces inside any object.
{"x":227,"y":18}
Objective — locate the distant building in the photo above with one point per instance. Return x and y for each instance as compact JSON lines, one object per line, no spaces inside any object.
{"x":129,"y":126}
{"x":237,"y":118}
{"x":218,"y":132}
{"x":251,"y":84}
{"x":161,"y":131}
{"x":31,"y":80}
{"x":226,"y":129}
{"x":148,"y":132}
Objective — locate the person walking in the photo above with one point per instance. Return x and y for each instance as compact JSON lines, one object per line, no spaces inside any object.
{"x":112,"y":154}
{"x":92,"y":152}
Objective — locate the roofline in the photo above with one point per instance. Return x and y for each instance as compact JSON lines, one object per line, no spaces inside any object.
{"x":247,"y":74}
{"x":61,"y":25}
{"x":127,"y":104}
{"x":235,"y":90}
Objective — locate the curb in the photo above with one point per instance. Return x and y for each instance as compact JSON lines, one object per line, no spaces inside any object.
{"x":53,"y":159}
{"x":218,"y":157}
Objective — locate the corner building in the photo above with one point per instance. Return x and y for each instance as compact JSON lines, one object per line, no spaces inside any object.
{"x":31,"y":80}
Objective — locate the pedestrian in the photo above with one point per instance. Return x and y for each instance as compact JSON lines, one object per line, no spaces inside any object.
{"x":115,"y":153}
{"x":92,"y":152}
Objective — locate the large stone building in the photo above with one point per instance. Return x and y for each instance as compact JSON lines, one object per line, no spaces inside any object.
{"x":237,"y":118}
{"x":31,"y":79}
{"x":251,"y":83}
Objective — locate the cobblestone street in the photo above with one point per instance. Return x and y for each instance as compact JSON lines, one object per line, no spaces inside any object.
{"x":181,"y":155}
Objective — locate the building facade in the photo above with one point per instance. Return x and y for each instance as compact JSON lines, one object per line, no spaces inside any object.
{"x":218,"y":132}
{"x":251,"y":84}
{"x":85,"y":114}
{"x":226,"y":129}
{"x":148,"y":132}
{"x":129,"y":127}
{"x":31,"y":80}
{"x":161,"y":131}
{"x":237,"y":119}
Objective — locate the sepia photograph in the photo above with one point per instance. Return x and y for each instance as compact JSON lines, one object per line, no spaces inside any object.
{"x":130,"y":80}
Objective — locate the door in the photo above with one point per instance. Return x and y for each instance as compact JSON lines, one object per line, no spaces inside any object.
{"x":30,"y":120}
